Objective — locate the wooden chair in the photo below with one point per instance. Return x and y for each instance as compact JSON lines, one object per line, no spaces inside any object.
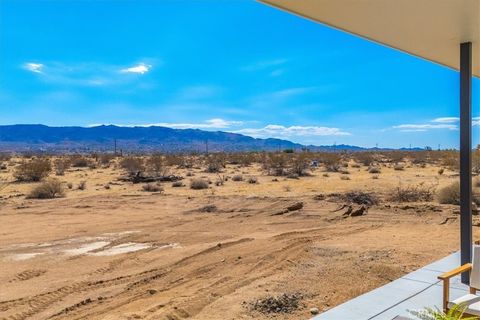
{"x":471,"y":301}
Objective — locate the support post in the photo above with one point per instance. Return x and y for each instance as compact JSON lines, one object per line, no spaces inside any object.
{"x":466,"y":156}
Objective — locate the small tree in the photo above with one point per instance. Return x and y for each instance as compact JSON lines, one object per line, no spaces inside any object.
{"x":34,"y":170}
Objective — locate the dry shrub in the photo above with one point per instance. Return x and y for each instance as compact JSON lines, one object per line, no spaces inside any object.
{"x":156,"y":165}
{"x":441,"y":171}
{"x":198,"y":184}
{"x":399,"y":167}
{"x":61,"y":165}
{"x":345,"y":178}
{"x":360,"y":197}
{"x":365,"y":158}
{"x":276,"y":164}
{"x":215,"y":163}
{"x":34,"y":170}
{"x":151,"y":187}
{"x":299,"y":164}
{"x":331,"y":161}
{"x":449,"y":194}
{"x":252,"y":180}
{"x":80,"y":162}
{"x":105,"y":159}
{"x":375,"y":170}
{"x":177,"y":184}
{"x":3,"y":166}
{"x":49,"y":189}
{"x":82,"y":185}
{"x":133,"y":165}
{"x":237,"y":177}
{"x":412,"y":193}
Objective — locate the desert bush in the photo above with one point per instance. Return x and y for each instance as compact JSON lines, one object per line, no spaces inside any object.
{"x":133,"y":165}
{"x":375,"y":170}
{"x":215,"y":163}
{"x":105,"y":159}
{"x":276,"y":163}
{"x":252,"y":180}
{"x":237,"y":177}
{"x":365,"y":158}
{"x":399,"y":167}
{"x":34,"y":170}
{"x":198,"y":184}
{"x":345,"y":178}
{"x":49,"y":189}
{"x":299,"y":164}
{"x":449,"y":194}
{"x":151,"y":187}
{"x":82,"y":185}
{"x":177,"y":184}
{"x":441,"y":171}
{"x":156,"y":164}
{"x":360,"y":197}
{"x":331,"y":161}
{"x":412,"y":193}
{"x":451,"y":161}
{"x":80,"y":162}
{"x":3,"y":166}
{"x":61,"y":165}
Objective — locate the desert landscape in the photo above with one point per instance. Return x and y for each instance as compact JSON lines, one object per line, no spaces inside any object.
{"x":277,"y":235}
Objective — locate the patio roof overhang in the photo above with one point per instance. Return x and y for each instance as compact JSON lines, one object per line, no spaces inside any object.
{"x":430,"y":29}
{"x":446,"y":32}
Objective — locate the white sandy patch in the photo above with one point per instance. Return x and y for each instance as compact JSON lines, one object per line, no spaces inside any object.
{"x":86,"y":248}
{"x":24,"y":256}
{"x":123,"y":248}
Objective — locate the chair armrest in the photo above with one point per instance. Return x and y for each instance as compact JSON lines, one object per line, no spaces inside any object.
{"x":447,"y":275}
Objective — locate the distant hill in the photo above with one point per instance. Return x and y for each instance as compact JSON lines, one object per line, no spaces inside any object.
{"x":35,"y":137}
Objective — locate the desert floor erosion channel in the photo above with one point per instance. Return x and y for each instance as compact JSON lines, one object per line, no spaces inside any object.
{"x":217,"y":237}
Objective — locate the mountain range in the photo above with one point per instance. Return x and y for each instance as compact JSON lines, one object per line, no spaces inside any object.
{"x":108,"y":138}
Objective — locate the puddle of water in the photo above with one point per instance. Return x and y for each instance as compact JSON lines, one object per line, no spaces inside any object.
{"x":122,"y":248}
{"x":86,"y":248}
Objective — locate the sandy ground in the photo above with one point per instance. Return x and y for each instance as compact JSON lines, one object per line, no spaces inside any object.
{"x":122,"y":253}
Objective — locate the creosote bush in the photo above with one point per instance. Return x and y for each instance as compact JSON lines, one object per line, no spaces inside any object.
{"x":198,"y":184}
{"x":49,"y":189}
{"x":34,"y":170}
{"x":449,"y":194}
{"x":418,"y":193}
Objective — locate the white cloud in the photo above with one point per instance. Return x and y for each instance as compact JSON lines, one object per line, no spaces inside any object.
{"x":279,"y":131}
{"x":140,"y":68}
{"x":446,"y":120}
{"x":215,"y":123}
{"x":424,"y":127}
{"x":33,"y":67}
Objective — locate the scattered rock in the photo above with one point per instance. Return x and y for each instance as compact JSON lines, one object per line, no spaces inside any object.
{"x":314,"y":311}
{"x":208,"y":208}
{"x":285,"y":303}
{"x":296,"y":206}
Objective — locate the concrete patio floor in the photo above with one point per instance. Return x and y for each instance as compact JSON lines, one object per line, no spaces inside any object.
{"x":414,"y":291}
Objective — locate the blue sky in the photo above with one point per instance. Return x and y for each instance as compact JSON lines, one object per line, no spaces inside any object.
{"x":231,"y":65}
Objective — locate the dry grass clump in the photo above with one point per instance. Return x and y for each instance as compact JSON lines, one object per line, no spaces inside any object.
{"x":412,"y":193}
{"x":215,"y":163}
{"x":285,"y":303}
{"x":449,"y":194}
{"x":345,"y":178}
{"x":80,"y":162}
{"x":399,"y":167}
{"x":82,"y":185}
{"x":34,"y":170}
{"x":48,"y":189}
{"x":365,"y":158}
{"x":198,"y":184}
{"x":151,"y":187}
{"x":237,"y":177}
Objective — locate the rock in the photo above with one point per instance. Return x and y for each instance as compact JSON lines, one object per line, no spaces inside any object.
{"x":314,"y":311}
{"x":359,"y":212}
{"x":295,"y":206}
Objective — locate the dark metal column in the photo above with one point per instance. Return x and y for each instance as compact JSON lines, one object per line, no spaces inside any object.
{"x":466,"y":155}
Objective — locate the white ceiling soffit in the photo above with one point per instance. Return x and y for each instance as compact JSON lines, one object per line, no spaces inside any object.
{"x":430,"y":29}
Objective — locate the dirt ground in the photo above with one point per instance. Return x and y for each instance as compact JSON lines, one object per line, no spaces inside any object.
{"x":123,"y":253}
